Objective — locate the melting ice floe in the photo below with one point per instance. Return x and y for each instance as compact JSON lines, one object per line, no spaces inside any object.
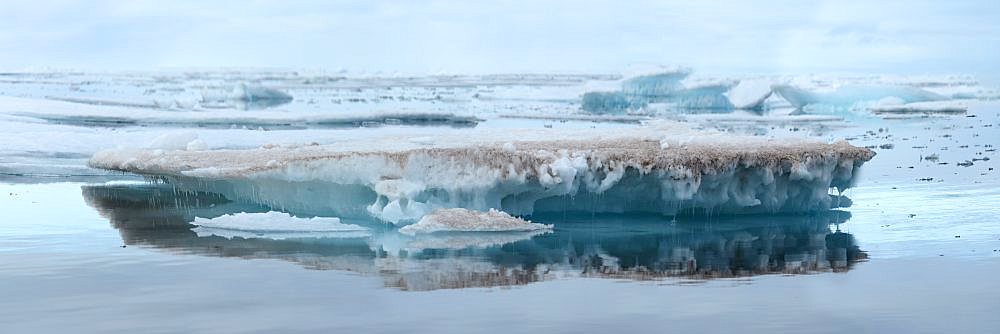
{"x":662,"y":167}
{"x":275,"y":225}
{"x":463,"y":220}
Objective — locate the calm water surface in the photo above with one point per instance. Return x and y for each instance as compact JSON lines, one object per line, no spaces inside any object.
{"x":918,"y":252}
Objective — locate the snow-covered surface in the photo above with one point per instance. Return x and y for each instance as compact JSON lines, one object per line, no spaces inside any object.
{"x":464,"y":220}
{"x":275,"y":225}
{"x":660,"y":167}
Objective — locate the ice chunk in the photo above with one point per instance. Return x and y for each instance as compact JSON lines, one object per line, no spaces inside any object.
{"x":275,"y":225}
{"x":594,"y":170}
{"x":750,"y":94}
{"x":851,"y":94}
{"x":464,"y":220}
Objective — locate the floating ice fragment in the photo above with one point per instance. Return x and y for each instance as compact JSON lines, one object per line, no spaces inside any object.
{"x":275,"y":225}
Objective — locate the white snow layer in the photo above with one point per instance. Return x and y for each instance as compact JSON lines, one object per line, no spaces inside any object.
{"x":275,"y":225}
{"x":661,"y":167}
{"x":464,"y":220}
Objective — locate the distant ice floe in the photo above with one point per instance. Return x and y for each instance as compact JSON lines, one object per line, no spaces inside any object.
{"x":60,"y":112}
{"x":247,"y":96}
{"x":276,"y":225}
{"x":661,"y":167}
{"x":674,"y":91}
{"x":464,"y":220}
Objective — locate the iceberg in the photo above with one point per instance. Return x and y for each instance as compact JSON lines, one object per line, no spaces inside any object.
{"x":464,"y":220}
{"x":750,"y":94}
{"x":851,"y":94}
{"x":660,"y":167}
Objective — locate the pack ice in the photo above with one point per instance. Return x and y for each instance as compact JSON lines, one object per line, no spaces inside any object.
{"x":660,"y":167}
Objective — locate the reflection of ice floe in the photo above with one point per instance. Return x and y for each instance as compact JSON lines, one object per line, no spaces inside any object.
{"x":464,"y":220}
{"x":663,"y":168}
{"x":275,"y":225}
{"x":462,"y":240}
{"x":605,"y":246}
{"x":900,"y":108}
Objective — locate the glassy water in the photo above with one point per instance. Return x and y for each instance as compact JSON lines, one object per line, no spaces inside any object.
{"x":122,"y":256}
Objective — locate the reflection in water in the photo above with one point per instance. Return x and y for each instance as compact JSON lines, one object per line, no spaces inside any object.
{"x":582,"y":245}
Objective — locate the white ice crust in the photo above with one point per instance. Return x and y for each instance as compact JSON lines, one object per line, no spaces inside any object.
{"x":663,"y":167}
{"x":464,"y":220}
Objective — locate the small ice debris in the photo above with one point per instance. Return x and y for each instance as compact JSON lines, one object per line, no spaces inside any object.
{"x":464,"y":220}
{"x":275,"y":225}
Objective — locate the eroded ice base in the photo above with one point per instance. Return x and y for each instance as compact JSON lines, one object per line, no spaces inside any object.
{"x":662,"y":168}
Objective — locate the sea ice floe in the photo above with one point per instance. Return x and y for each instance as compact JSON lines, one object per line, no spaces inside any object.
{"x":660,"y":167}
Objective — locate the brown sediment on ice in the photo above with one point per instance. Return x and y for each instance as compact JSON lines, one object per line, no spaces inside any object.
{"x":643,"y":154}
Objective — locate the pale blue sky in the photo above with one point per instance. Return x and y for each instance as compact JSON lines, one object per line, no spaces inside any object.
{"x":772,"y":36}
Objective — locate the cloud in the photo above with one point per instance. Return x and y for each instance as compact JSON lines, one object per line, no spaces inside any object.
{"x":504,"y":36}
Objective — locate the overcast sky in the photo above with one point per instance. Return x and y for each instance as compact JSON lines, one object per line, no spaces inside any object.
{"x":772,"y":36}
